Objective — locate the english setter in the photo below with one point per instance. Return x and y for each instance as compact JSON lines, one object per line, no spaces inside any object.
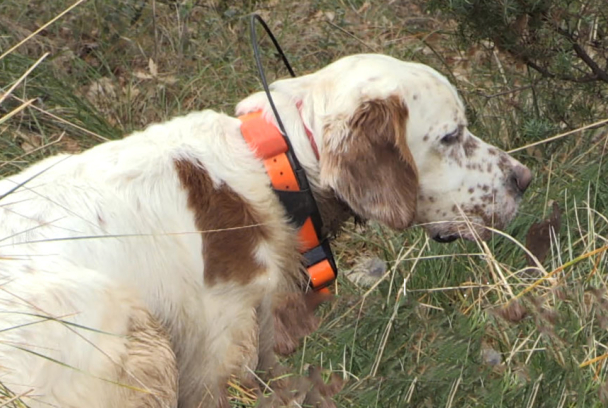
{"x":145,"y":271}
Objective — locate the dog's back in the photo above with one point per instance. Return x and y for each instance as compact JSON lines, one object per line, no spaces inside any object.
{"x":99,"y":250}
{"x":75,"y":331}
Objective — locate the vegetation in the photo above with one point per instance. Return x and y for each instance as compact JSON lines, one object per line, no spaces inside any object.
{"x":459,"y":325}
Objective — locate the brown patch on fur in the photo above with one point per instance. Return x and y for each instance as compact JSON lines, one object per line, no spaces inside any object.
{"x":456,"y":156}
{"x":504,"y":164}
{"x":294,"y":319}
{"x":228,"y":223}
{"x":487,"y":198}
{"x":374,"y":171}
{"x":334,"y":212}
{"x":470,"y":146}
{"x":479,"y":210}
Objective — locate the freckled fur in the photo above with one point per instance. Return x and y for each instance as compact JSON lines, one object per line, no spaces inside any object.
{"x":377,"y":126}
{"x":165,"y":296}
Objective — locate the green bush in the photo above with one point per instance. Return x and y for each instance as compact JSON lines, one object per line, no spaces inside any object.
{"x":563,"y":45}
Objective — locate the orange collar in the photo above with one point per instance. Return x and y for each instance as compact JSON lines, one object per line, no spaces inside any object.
{"x":269,"y":145}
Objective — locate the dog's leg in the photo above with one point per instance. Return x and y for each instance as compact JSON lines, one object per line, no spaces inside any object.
{"x":200,"y":382}
{"x":223,"y":345}
{"x":267,"y":360}
{"x":149,"y":364}
{"x":294,"y":318}
{"x":74,"y":338}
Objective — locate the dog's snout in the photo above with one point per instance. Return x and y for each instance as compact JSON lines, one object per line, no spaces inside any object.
{"x":521,"y":177}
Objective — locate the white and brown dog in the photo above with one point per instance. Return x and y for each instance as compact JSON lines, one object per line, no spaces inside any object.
{"x":156,"y":260}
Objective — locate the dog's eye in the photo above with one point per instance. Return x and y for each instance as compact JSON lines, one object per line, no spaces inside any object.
{"x":451,"y":138}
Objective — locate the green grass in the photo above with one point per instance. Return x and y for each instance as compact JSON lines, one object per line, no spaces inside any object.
{"x":116,"y":66}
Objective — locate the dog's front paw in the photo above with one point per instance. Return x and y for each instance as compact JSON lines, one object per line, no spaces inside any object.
{"x":294,"y":318}
{"x":297,"y":391}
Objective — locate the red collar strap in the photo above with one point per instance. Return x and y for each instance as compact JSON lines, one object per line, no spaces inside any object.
{"x":311,"y":138}
{"x":269,"y":145}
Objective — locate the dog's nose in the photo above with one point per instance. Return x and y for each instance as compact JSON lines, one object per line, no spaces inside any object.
{"x":521,"y":177}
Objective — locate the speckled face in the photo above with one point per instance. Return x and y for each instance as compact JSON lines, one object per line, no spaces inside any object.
{"x":465,"y":184}
{"x":395,"y":147}
{"x":472,"y":181}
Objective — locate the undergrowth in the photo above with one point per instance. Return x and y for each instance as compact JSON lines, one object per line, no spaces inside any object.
{"x":460,"y":325}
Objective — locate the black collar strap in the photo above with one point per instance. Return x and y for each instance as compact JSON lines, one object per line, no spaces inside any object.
{"x":292,"y":188}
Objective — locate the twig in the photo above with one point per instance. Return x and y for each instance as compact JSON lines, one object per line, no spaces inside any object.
{"x":16,"y":398}
{"x":22,"y":77}
{"x":582,"y":54}
{"x":351,"y":35}
{"x":593,"y":125}
{"x":593,"y":360}
{"x":561,"y":268}
{"x":34,"y":150}
{"x":29,"y":37}
{"x":57,"y":118}
{"x":510,"y":91}
{"x":24,"y":104}
{"x":546,"y":73}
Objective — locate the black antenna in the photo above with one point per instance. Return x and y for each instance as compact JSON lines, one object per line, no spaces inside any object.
{"x":256,"y":54}
{"x":301,"y":203}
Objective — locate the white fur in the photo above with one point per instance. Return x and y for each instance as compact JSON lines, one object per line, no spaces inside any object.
{"x":118,"y":213}
{"x":95,"y":238}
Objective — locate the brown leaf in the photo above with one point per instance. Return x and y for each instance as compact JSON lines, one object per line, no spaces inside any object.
{"x":540,"y":235}
{"x":29,"y":141}
{"x":69,"y":145}
{"x":512,"y":312}
{"x":152,"y":67}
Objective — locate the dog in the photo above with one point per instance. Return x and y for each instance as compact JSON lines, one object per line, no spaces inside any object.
{"x":146,"y":271}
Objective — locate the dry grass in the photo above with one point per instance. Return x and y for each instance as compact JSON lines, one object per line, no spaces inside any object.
{"x":467,"y":324}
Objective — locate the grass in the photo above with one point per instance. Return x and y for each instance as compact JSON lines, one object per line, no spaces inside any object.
{"x":473,"y":328}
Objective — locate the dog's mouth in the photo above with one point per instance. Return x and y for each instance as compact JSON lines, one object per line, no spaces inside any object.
{"x":459,"y":232}
{"x":444,"y":239}
{"x":475,"y":228}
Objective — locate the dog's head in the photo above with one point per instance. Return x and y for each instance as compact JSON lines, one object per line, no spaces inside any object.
{"x":394,"y":146}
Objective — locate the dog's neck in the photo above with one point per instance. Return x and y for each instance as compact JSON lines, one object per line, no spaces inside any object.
{"x":304,"y":134}
{"x":307,"y":137}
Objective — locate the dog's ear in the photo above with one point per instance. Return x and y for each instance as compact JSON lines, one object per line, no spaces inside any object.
{"x":368,"y":164}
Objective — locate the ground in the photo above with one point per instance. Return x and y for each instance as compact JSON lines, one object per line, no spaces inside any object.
{"x":459,"y":325}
